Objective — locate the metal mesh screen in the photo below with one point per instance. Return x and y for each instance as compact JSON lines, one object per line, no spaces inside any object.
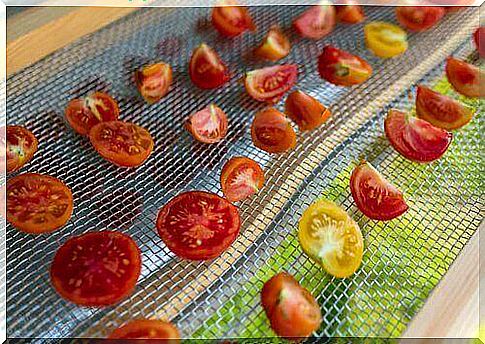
{"x":404,"y":259}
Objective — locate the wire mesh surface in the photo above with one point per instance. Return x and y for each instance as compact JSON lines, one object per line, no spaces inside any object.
{"x":404,"y":259}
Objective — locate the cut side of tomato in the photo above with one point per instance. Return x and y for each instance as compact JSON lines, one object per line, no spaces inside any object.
{"x":208,"y":125}
{"x":479,"y":37}
{"x":21,"y":147}
{"x":275,"y":45}
{"x":465,"y":78}
{"x":440,"y":110}
{"x":270,"y":83}
{"x":291,"y":309}
{"x":123,"y":144}
{"x":83,"y":114}
{"x":206,"y":69}
{"x":241,"y":178}
{"x":96,"y":269}
{"x":153,"y":81}
{"x":147,"y":329}
{"x":375,"y":197}
{"x":350,"y":14}
{"x":272,"y":132}
{"x":230,"y":19}
{"x":419,"y":18}
{"x":316,"y":22}
{"x":198,"y":225}
{"x":384,"y":39}
{"x":307,"y":112}
{"x":330,"y":237}
{"x":38,"y":203}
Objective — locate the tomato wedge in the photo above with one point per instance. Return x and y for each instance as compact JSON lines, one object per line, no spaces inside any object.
{"x":440,"y":110}
{"x":307,"y":112}
{"x":419,"y":18}
{"x":272,"y":132}
{"x":198,"y":225}
{"x":206,"y":69}
{"x":208,"y":125}
{"x":153,"y":81}
{"x":479,"y":38}
{"x":384,"y":39}
{"x":123,"y":144}
{"x":241,"y":178}
{"x":38,"y":203}
{"x":147,"y":329}
{"x":270,"y":83}
{"x":350,"y":14}
{"x":316,"y":22}
{"x":374,"y":195}
{"x":230,"y":19}
{"x":465,"y":78}
{"x":96,"y":269}
{"x":275,"y":45}
{"x":83,"y":114}
{"x":330,"y":237}
{"x":291,"y":309}
{"x":21,"y":147}
{"x":342,"y":68}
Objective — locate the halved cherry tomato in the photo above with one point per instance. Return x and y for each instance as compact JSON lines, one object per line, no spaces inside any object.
{"x":122,"y":143}
{"x":206,"y":68}
{"x":465,"y":78}
{"x":275,"y":45}
{"x":440,"y":110}
{"x":414,"y":138}
{"x":153,"y":81}
{"x":21,"y":147}
{"x":342,"y":68}
{"x":208,"y":125}
{"x":307,"y":112}
{"x":198,"y":225}
{"x":230,"y":19}
{"x":384,"y":39}
{"x":479,"y":37}
{"x":147,"y":329}
{"x":291,"y":309}
{"x":350,"y":14}
{"x":331,"y":238}
{"x":270,"y":83}
{"x":316,"y":22}
{"x":240,"y":178}
{"x":272,"y":132}
{"x":83,"y":114}
{"x":374,"y":195}
{"x":38,"y":203}
{"x":96,"y":269}
{"x":419,"y":18}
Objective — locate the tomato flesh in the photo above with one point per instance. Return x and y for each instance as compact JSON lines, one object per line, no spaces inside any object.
{"x":350,"y":14}
{"x":206,"y":69}
{"x":316,"y":22}
{"x":231,"y":20}
{"x":465,"y":78}
{"x":419,"y":18}
{"x":21,"y":147}
{"x":307,"y":112}
{"x":272,"y":132}
{"x":275,"y":45}
{"x":479,"y":37}
{"x":153,"y":81}
{"x":241,"y":178}
{"x":208,"y":125}
{"x":270,"y":83}
{"x":147,"y":329}
{"x":384,"y":39}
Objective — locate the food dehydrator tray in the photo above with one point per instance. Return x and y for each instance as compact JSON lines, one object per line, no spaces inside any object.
{"x":404,"y":259}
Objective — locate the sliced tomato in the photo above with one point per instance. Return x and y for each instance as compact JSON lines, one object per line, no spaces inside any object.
{"x":307,"y":112}
{"x":96,"y":269}
{"x":38,"y":203}
{"x":350,"y":14}
{"x":440,"y":110}
{"x":147,"y":329}
{"x":479,"y":37}
{"x":230,"y":19}
{"x":275,"y":45}
{"x":83,"y":114}
{"x":206,"y":69}
{"x":291,"y":309}
{"x":153,"y":81}
{"x":414,"y":138}
{"x":316,"y":22}
{"x":21,"y":147}
{"x":465,"y":78}
{"x":270,"y":83}
{"x":384,"y":39}
{"x":208,"y":125}
{"x":374,"y":195}
{"x":241,"y":178}
{"x":419,"y":18}
{"x":330,"y":237}
{"x":272,"y":132}
{"x":342,"y":68}
{"x":122,"y":143}
{"x":198,"y":225}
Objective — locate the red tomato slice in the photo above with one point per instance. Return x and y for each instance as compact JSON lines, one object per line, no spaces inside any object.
{"x":374,"y":195}
{"x":240,"y":178}
{"x":350,"y":14}
{"x":208,"y":125}
{"x":38,"y":203}
{"x":153,"y":81}
{"x":342,"y":68}
{"x":419,"y":18}
{"x":230,"y":19}
{"x":272,"y":132}
{"x":198,"y":225}
{"x":83,"y":114}
{"x":440,"y":110}
{"x":206,"y":68}
{"x":122,"y":143}
{"x":147,"y":329}
{"x":270,"y":83}
{"x":316,"y":22}
{"x":479,"y":37}
{"x":275,"y":45}
{"x":96,"y":269}
{"x":292,"y":311}
{"x":465,"y":78}
{"x":307,"y":112}
{"x":21,"y":147}
{"x":414,"y":138}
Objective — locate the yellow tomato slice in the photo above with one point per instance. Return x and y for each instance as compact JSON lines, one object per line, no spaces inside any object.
{"x":384,"y":39}
{"x":331,"y":238}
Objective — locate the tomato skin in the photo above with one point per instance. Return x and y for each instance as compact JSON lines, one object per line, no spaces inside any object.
{"x":291,"y":309}
{"x":316,"y":22}
{"x":419,"y":18}
{"x":465,"y":78}
{"x":270,"y":83}
{"x":350,"y":14}
{"x":241,"y":177}
{"x":21,"y":147}
{"x":147,"y":329}
{"x":231,"y":21}
{"x":153,"y":81}
{"x":206,"y":69}
{"x":307,"y":112}
{"x":385,"y":40}
{"x":272,"y":132}
{"x":275,"y":45}
{"x":212,"y":117}
{"x":479,"y":37}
